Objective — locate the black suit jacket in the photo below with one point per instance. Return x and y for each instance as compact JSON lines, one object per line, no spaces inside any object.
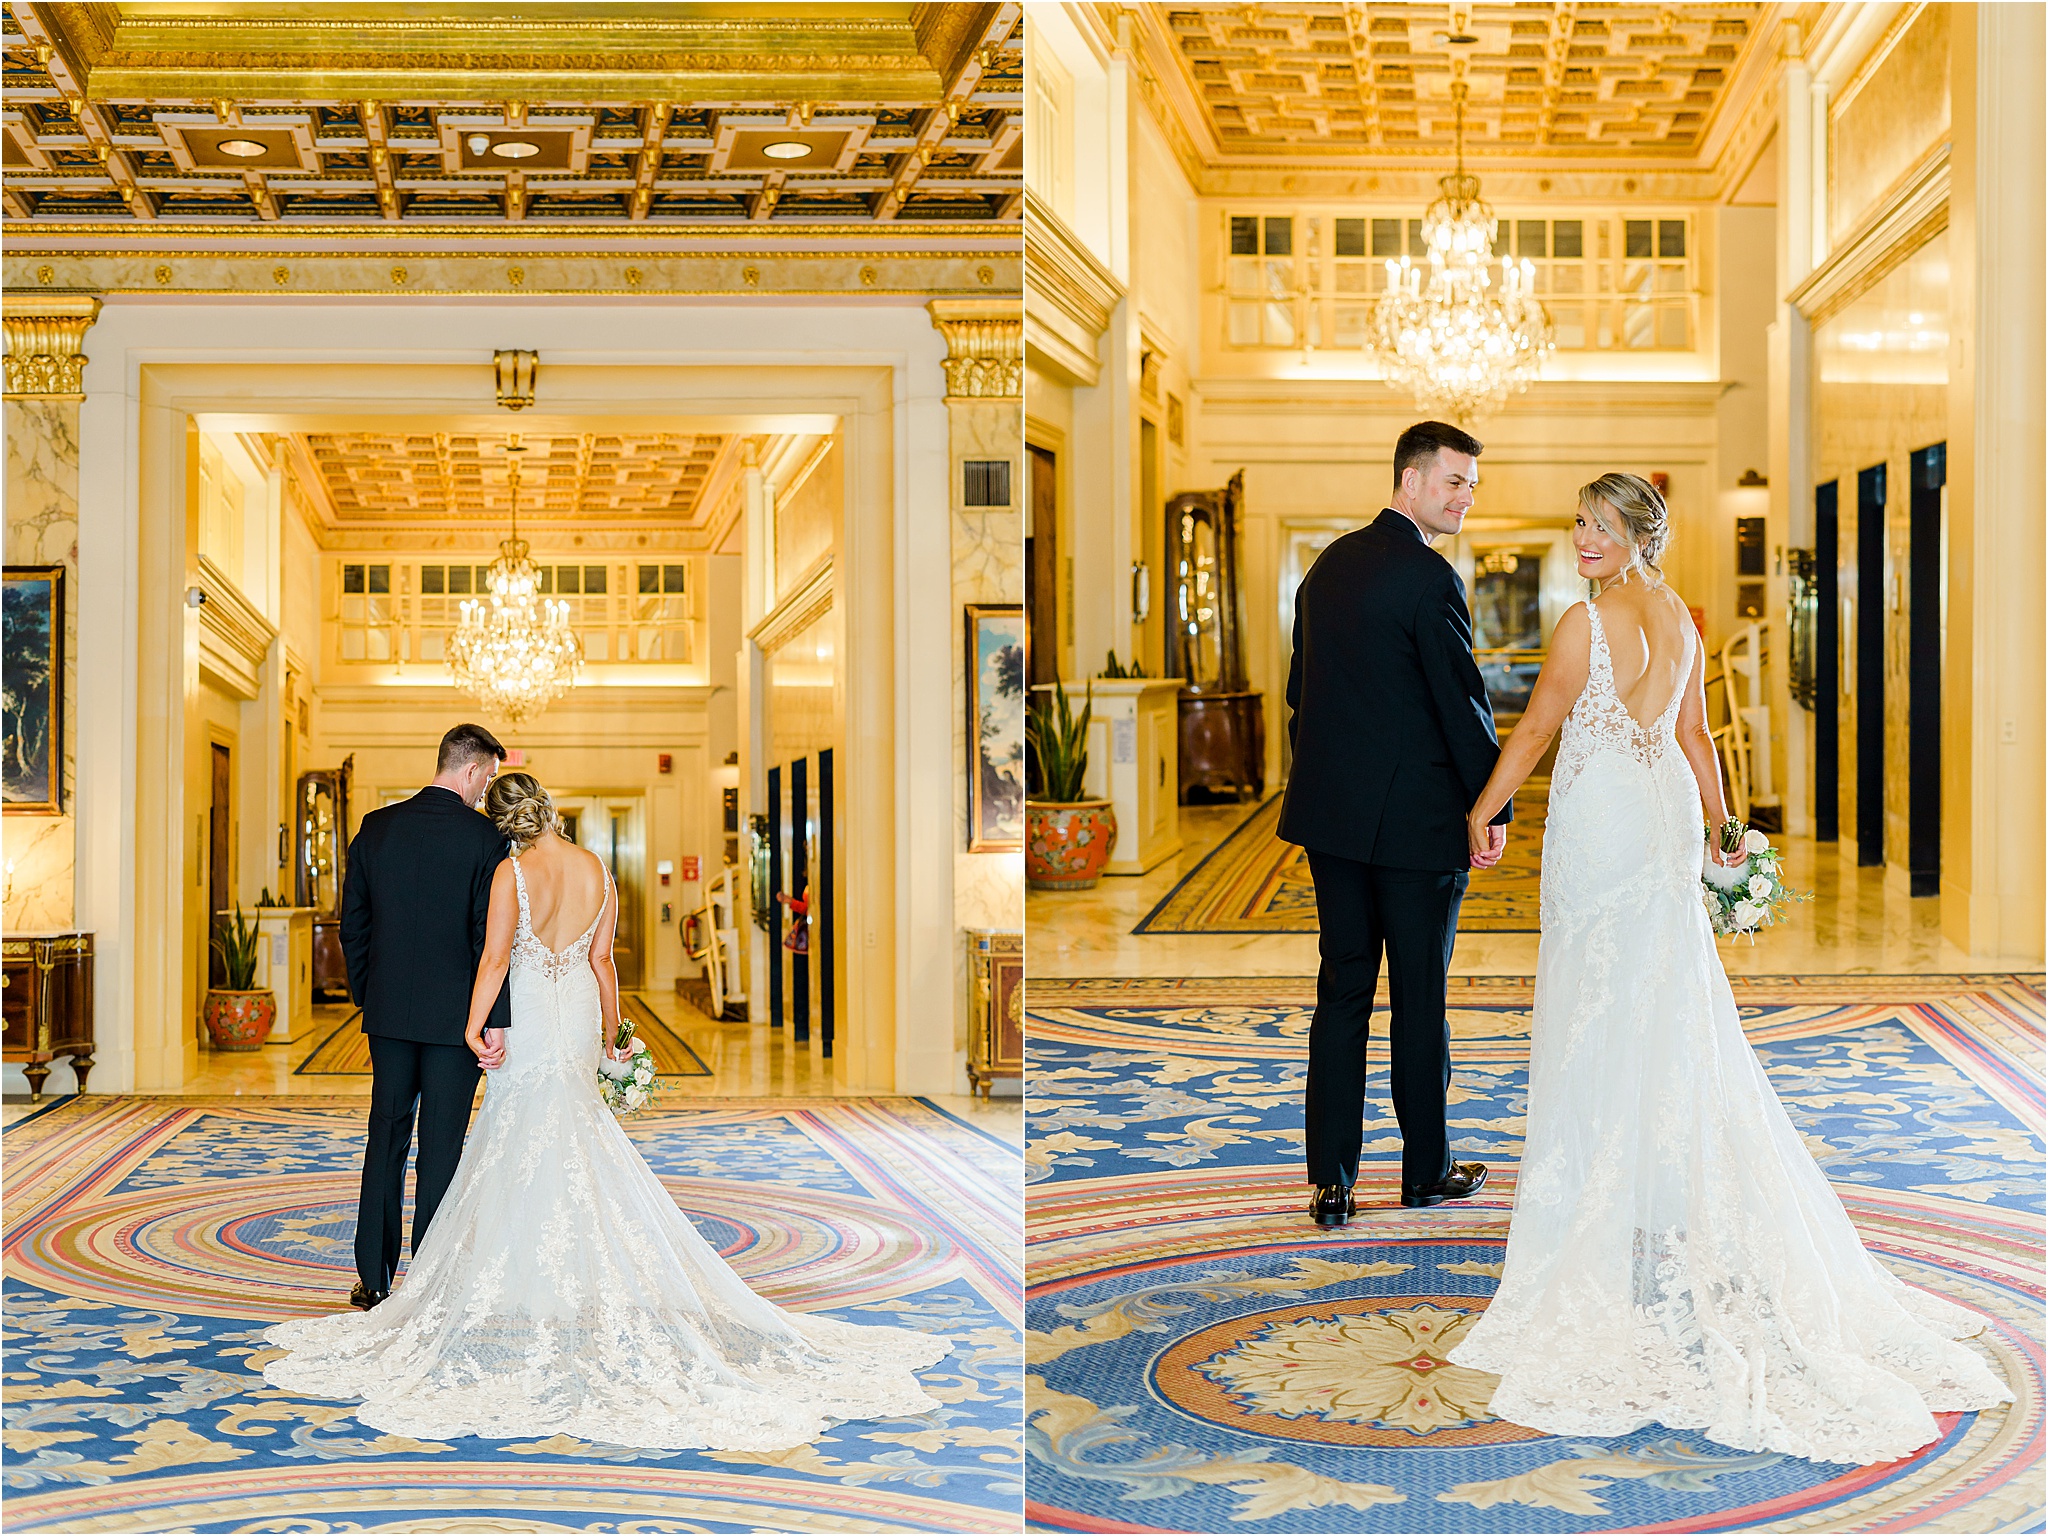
{"x":1393,"y":736}
{"x":413,"y":914}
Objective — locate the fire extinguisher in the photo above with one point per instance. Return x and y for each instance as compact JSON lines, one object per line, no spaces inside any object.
{"x":693,"y":931}
{"x":798,"y":940}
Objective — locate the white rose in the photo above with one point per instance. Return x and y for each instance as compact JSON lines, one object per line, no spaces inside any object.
{"x":1754,"y":841}
{"x":1759,"y":888}
{"x":1746,"y":915}
{"x":635,"y":1097}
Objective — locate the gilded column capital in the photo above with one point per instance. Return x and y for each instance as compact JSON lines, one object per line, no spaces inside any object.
{"x":45,"y":334}
{"x":984,"y":347}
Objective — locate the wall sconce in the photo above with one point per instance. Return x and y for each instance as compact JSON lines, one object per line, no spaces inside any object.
{"x":1141,"y":591}
{"x":1752,"y":481}
{"x":1499,"y":562}
{"x":516,"y":373}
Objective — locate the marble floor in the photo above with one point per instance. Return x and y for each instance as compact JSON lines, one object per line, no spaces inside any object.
{"x":746,"y":1061}
{"x":1860,"y":922}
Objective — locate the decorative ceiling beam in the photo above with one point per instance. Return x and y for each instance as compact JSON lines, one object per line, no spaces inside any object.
{"x":985,"y":30}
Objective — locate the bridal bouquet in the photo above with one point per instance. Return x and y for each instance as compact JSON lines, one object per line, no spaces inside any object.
{"x":1753,"y":894}
{"x":627,"y":1085}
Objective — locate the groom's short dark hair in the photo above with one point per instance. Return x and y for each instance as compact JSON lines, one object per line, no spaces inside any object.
{"x":1420,"y":444}
{"x":467,"y":744}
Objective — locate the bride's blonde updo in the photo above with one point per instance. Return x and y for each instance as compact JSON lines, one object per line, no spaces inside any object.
{"x":1637,"y":514}
{"x":520,"y":807}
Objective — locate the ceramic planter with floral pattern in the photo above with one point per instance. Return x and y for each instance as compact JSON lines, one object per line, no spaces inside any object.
{"x":240,"y":1021}
{"x":1066,"y":845}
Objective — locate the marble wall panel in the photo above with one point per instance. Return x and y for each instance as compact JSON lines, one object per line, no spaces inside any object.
{"x":42,"y":529}
{"x":806,"y":517}
{"x":1888,"y":119}
{"x":988,"y":567}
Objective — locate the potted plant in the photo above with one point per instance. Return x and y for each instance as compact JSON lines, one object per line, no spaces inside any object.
{"x":1067,"y":837}
{"x":238,"y":1016}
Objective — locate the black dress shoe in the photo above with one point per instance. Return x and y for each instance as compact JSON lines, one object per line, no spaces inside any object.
{"x":1333,"y":1205}
{"x":362,"y":1298}
{"x":1461,"y":1182}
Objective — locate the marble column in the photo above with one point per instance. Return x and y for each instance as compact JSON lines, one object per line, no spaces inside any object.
{"x":984,"y":367}
{"x":45,"y":335}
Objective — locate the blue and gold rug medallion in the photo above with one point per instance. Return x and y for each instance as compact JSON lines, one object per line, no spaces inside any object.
{"x":151,"y":1241}
{"x":1199,"y":1357}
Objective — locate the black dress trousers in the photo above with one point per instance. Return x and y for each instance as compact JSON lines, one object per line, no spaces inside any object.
{"x":441,"y":1080}
{"x":1411,"y":917}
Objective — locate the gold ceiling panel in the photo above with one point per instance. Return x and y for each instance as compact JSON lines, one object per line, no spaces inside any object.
{"x":1593,"y":82}
{"x":653,"y":479}
{"x":314,"y":118}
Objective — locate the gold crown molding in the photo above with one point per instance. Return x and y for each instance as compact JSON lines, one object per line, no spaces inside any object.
{"x":234,"y":637}
{"x":641,"y":237}
{"x":1907,"y":220}
{"x":1070,"y":296}
{"x":45,"y":334}
{"x":1528,"y":182}
{"x":984,"y":348}
{"x":553,"y":274}
{"x":808,"y":601}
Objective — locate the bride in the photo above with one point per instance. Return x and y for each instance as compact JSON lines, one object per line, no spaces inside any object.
{"x":559,"y":1290}
{"x":1675,"y":1255}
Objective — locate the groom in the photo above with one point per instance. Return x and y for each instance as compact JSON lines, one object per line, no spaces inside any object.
{"x":1393,"y":741}
{"x":413,"y":913}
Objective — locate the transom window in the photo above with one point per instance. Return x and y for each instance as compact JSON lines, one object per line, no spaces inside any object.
{"x":404,"y":612}
{"x":1611,"y":282}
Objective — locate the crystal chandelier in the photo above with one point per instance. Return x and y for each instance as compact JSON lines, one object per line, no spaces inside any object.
{"x":1453,"y":340}
{"x":515,"y":653}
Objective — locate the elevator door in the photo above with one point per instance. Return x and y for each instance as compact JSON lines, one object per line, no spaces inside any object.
{"x":611,"y":826}
{"x":220,"y":880}
{"x":1870,"y":690}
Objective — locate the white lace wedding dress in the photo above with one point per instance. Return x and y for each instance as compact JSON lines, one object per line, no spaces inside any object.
{"x":1675,"y":1256}
{"x":561,"y":1291}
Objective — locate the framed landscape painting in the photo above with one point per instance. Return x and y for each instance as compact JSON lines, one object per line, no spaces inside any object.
{"x":995,"y":727}
{"x":32,"y":706}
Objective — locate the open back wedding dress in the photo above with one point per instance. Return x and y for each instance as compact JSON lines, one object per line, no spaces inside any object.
{"x":1675,"y":1256}
{"x":560,"y":1291}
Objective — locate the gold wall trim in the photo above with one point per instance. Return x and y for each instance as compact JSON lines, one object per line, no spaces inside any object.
{"x":1907,"y":220}
{"x":807,"y":602}
{"x":984,"y":347}
{"x":764,"y":275}
{"x":45,"y":334}
{"x":641,"y":236}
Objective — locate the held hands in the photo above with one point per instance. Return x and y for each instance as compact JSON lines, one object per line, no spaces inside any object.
{"x":489,"y":1046}
{"x":1487,"y":842}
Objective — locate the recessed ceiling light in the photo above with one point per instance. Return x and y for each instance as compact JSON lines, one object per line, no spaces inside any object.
{"x":514,"y":149}
{"x":242,"y":149}
{"x":787,"y":149}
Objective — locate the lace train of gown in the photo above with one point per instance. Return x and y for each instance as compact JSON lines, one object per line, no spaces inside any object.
{"x":1675,"y":1256}
{"x":561,"y":1291}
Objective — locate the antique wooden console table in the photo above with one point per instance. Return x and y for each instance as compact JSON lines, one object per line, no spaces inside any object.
{"x":46,"y":1004}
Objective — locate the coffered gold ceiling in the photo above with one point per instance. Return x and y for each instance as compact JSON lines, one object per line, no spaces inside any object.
{"x":285,"y":117}
{"x":652,"y":480}
{"x":1577,"y":83}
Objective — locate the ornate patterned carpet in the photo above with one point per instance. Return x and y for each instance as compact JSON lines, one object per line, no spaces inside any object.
{"x":1252,"y":882}
{"x":345,"y":1052}
{"x":1199,"y":1357}
{"x":150,"y":1240}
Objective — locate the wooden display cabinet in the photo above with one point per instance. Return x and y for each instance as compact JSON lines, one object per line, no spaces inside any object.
{"x":46,"y":1004}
